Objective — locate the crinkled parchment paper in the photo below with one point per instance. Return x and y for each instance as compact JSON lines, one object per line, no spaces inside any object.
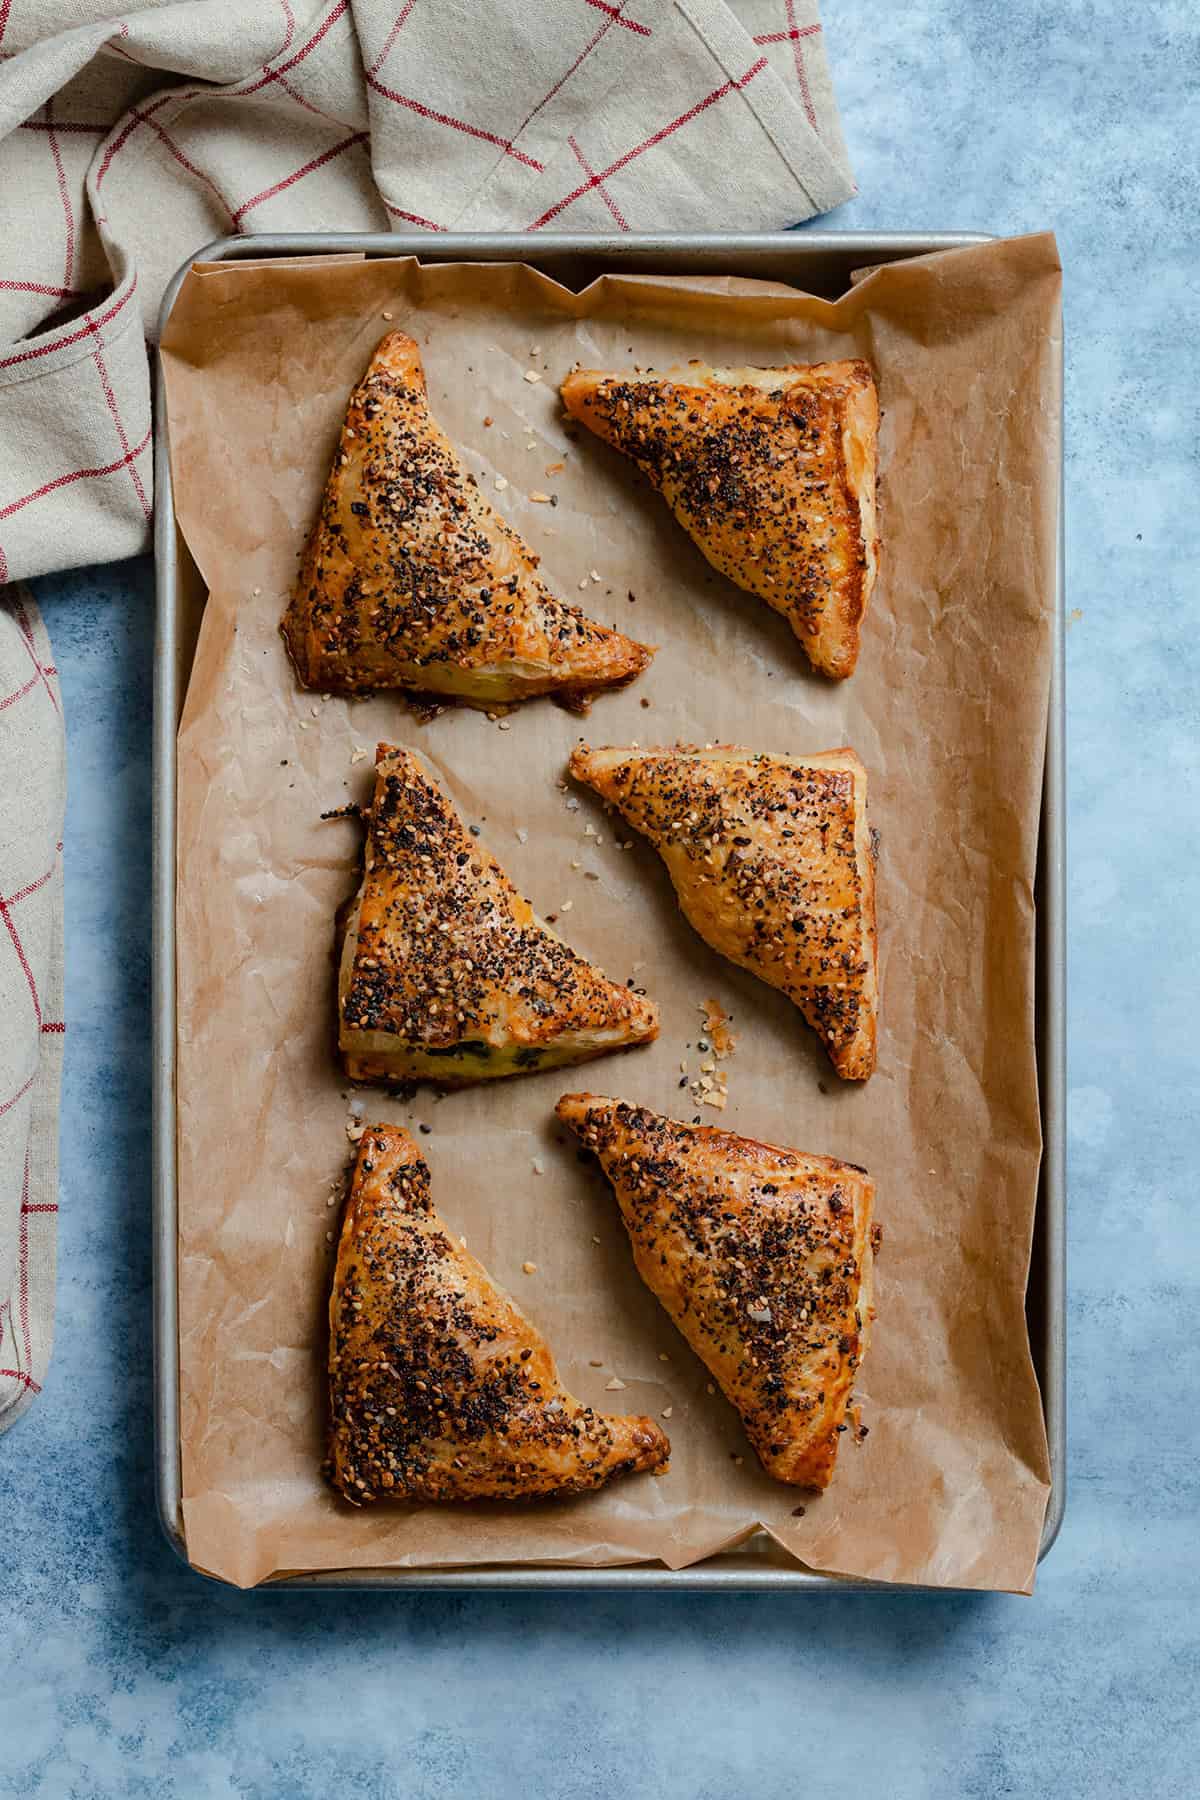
{"x":947,"y":710}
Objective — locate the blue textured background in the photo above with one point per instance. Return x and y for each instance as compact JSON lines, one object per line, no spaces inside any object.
{"x":123,"y":1674}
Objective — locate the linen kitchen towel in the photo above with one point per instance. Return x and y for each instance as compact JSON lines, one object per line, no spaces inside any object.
{"x":31,"y":1035}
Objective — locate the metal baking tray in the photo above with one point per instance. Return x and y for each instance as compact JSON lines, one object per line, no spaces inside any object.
{"x":820,"y":263}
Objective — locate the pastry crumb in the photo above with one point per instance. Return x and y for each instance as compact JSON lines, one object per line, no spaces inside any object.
{"x":555,"y":468}
{"x":595,"y":1362}
{"x":532,"y":375}
{"x":615,"y":1386}
{"x":529,"y":1268}
{"x":387,"y":316}
{"x":716,"y":1027}
{"x":500,"y":484}
{"x":667,"y":1411}
{"x":538,"y":1166}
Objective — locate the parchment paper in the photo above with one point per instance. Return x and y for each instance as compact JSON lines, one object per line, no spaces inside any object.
{"x":947,"y":710}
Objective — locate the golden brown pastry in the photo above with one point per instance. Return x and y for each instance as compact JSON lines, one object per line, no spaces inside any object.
{"x":762,"y":1257}
{"x":771,"y":471}
{"x":772,"y":861}
{"x":410,"y":580}
{"x":439,"y":1386}
{"x":445,"y":973}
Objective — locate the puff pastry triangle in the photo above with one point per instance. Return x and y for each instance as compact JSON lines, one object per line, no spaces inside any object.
{"x":771,"y":471}
{"x":411,"y":580}
{"x":440,"y":1388}
{"x":761,"y":1256}
{"x":445,"y":973}
{"x":772,"y":861}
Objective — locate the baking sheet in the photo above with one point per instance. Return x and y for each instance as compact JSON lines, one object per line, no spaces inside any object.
{"x":948,"y":710}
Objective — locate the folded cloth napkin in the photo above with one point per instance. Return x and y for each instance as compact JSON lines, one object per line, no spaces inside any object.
{"x":128,"y":140}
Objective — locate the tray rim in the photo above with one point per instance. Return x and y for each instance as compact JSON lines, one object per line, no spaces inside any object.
{"x":731,"y":1571}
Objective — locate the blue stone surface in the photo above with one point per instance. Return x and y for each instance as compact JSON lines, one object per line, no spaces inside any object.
{"x":122,"y":1673}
